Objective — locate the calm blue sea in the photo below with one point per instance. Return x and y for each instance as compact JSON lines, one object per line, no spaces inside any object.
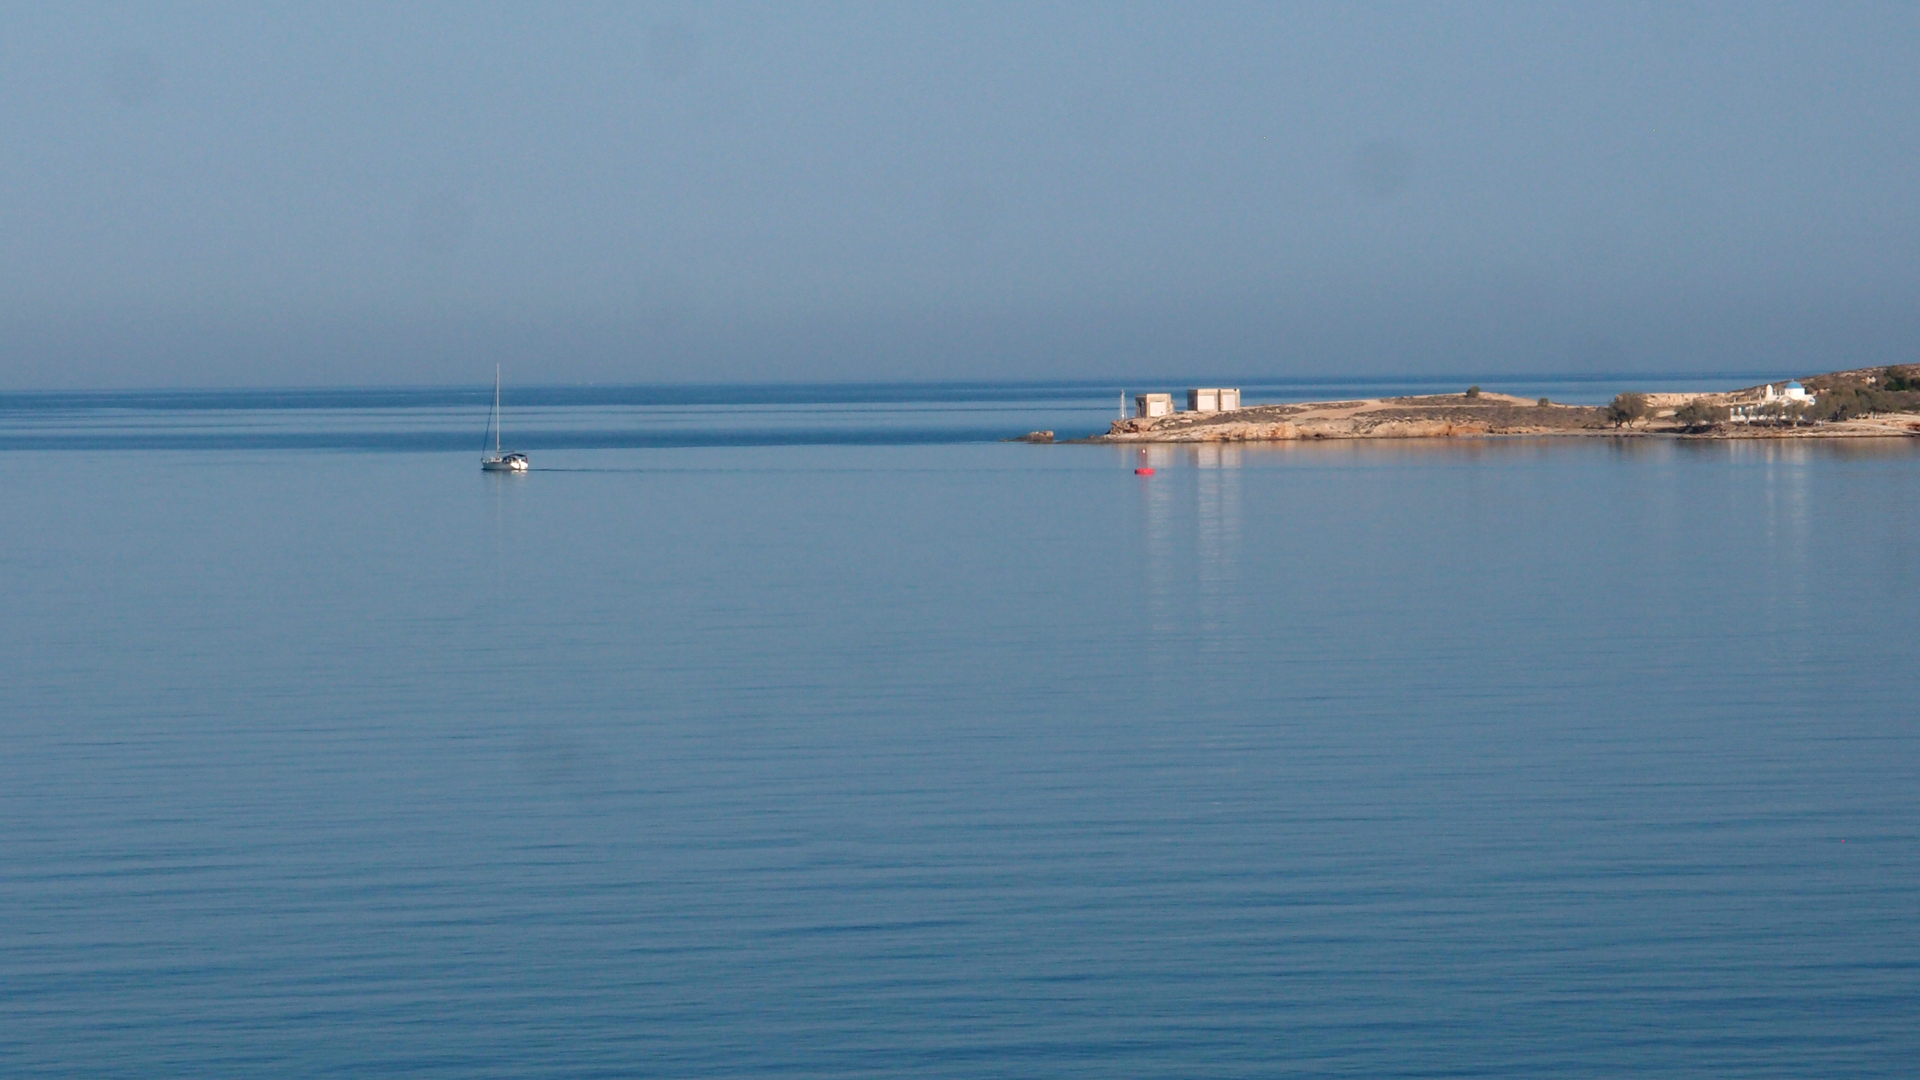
{"x":807,"y":732}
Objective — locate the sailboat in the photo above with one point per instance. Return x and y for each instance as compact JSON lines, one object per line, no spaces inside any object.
{"x":497,"y":461}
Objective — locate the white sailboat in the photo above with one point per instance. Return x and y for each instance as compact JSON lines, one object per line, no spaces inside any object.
{"x":498,"y":461}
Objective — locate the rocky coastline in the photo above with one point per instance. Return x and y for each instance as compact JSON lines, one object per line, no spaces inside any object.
{"x":1742,"y":414}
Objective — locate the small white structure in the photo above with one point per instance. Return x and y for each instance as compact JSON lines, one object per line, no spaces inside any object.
{"x":1771,"y":403}
{"x":1213,"y":399}
{"x":1152,"y":405}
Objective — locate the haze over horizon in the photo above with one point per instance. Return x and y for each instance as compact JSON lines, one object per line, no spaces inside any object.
{"x":226,"y":195}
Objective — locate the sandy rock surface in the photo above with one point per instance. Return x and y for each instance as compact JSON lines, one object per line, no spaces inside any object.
{"x":1428,"y":417}
{"x":1447,"y":416}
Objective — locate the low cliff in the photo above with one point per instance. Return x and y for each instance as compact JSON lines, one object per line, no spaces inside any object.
{"x":1436,"y":416}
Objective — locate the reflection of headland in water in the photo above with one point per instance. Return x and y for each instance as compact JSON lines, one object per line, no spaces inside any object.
{"x":1174,"y":457}
{"x":1865,"y":403}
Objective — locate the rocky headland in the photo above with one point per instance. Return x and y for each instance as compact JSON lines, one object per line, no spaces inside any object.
{"x":1868,"y":402}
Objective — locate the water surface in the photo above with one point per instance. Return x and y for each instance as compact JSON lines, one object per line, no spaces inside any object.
{"x":1502,"y":758}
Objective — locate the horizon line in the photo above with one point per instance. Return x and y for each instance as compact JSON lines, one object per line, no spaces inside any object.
{"x":1117,"y":384}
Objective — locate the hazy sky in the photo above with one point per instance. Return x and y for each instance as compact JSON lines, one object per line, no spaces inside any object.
{"x":251,"y":194}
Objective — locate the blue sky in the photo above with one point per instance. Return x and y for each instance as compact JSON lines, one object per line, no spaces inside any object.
{"x":239,"y":194}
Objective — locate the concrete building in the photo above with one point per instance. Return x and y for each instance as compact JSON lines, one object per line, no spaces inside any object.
{"x":1213,"y":399}
{"x":1152,"y":405}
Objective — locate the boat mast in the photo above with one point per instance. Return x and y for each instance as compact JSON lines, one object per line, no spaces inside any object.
{"x":496,"y":410}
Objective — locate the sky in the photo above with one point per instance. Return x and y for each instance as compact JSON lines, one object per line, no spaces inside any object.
{"x":217,"y":194}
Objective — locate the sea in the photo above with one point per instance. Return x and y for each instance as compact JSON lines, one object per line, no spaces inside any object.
{"x":815,"y":731}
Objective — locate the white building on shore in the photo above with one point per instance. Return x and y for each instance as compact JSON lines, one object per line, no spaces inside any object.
{"x":1152,"y":405}
{"x":1771,"y":402}
{"x":1206,"y":399}
{"x":1213,"y":399}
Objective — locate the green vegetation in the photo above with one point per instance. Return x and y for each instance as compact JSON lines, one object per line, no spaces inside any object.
{"x":1543,"y":403}
{"x":1896,"y":380}
{"x":1780,"y":412}
{"x":1844,"y":403}
{"x":1698,"y":414}
{"x":1848,"y":402}
{"x":1473,"y":392}
{"x":1628,"y":408}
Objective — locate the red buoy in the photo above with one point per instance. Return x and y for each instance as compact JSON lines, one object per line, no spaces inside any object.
{"x":1143,"y":472}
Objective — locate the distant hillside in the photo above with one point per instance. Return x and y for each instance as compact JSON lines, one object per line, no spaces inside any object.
{"x":1892,"y":377}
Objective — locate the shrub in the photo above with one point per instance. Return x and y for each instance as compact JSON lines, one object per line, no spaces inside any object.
{"x":1543,"y":403}
{"x":1846,"y":403}
{"x":1473,"y":391}
{"x":1627,"y":408}
{"x":1699,"y":414}
{"x":1834,"y":405}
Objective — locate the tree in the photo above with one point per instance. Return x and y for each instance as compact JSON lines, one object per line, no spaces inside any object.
{"x":1628,"y":408}
{"x":1473,"y":391}
{"x":1699,"y":414}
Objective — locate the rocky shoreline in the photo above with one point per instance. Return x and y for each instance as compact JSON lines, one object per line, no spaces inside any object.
{"x":1478,"y":414}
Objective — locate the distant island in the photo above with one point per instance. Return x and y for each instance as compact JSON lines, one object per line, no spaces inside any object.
{"x":1863,"y":403}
